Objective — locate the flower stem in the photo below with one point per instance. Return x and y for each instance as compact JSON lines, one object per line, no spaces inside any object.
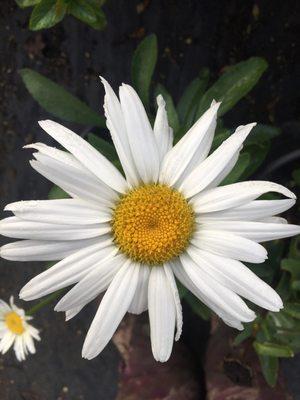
{"x":43,"y":302}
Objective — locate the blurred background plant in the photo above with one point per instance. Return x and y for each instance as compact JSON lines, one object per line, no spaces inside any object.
{"x":47,"y":13}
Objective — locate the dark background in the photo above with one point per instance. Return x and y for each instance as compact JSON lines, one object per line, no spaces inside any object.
{"x":191,"y":35}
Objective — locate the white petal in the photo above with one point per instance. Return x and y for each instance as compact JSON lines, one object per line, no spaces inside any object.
{"x":257,"y":231}
{"x":183,"y":277}
{"x":191,"y":150}
{"x":254,"y":210}
{"x":229,"y":245}
{"x":141,"y":138}
{"x":28,"y":342}
{"x":41,"y":250}
{"x":92,"y":284}
{"x":139,"y":302}
{"x":274,"y":220}
{"x":238,"y":278}
{"x":6,"y":342}
{"x":15,"y":227}
{"x":73,"y":312}
{"x":94,"y":161}
{"x":19,"y":348}
{"x":112,"y":309}
{"x":75,"y":178}
{"x":67,"y":271}
{"x":162,"y":314}
{"x":75,"y":184}
{"x":68,"y":211}
{"x":116,"y":125}
{"x":237,"y":194}
{"x":227,"y":169}
{"x":162,"y":131}
{"x":173,"y":286}
{"x":213,"y":167}
{"x":223,"y":299}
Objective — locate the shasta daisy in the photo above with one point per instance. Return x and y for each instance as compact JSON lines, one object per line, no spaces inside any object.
{"x":130,"y":234}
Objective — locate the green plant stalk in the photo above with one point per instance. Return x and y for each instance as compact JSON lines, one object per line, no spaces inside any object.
{"x":44,"y":302}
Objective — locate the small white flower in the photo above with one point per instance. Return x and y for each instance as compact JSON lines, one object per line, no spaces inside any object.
{"x":129,"y":236}
{"x":15,"y":330}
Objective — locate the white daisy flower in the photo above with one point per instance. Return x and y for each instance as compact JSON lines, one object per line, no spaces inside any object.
{"x":15,"y":330}
{"x":132,"y":235}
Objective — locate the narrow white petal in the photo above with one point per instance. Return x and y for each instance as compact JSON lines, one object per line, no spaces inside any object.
{"x":92,"y":284}
{"x":257,"y":231}
{"x":63,"y":168}
{"x":162,"y":131}
{"x":274,"y":220}
{"x":191,"y":150}
{"x":226,"y":170}
{"x":141,"y":138}
{"x":112,"y":309}
{"x":19,"y":348}
{"x":28,"y":342}
{"x":229,"y":245}
{"x":139,"y":302}
{"x":237,"y":194}
{"x":42,"y":250}
{"x":212,"y":167}
{"x":173,"y":286}
{"x":162,"y":314}
{"x":6,"y":342}
{"x":67,"y":271}
{"x":94,"y":161}
{"x":183,"y":277}
{"x":238,"y":278}
{"x":254,"y":210}
{"x":15,"y":227}
{"x":73,"y":312}
{"x":68,"y":211}
{"x":222,"y":299}
{"x":116,"y":125}
{"x":75,"y":184}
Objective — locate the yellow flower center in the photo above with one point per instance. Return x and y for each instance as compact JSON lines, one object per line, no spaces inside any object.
{"x":152,"y":223}
{"x":14,"y":323}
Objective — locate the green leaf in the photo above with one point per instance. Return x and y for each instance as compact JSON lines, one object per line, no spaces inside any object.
{"x":189,"y":101}
{"x":103,"y":146}
{"x":296,"y":285}
{"x":292,"y":266}
{"x":88,"y":12}
{"x":262,"y":133}
{"x":197,"y":306}
{"x":238,"y":170}
{"x":182,"y":290}
{"x":57,"y":101}
{"x":233,"y":85}
{"x":281,"y":320}
{"x":296,"y":176}
{"x":46,"y":14}
{"x":292,"y":309}
{"x":171,"y":110}
{"x":273,"y":349}
{"x":27,"y":3}
{"x":269,"y":367}
{"x":142,"y":67}
{"x":258,"y":154}
{"x":57,"y":193}
{"x":245,"y":334}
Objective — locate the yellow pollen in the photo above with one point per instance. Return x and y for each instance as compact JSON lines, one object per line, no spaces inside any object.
{"x":152,"y":224}
{"x":14,"y":323}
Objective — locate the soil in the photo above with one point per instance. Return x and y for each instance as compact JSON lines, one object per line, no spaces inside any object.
{"x":192,"y":34}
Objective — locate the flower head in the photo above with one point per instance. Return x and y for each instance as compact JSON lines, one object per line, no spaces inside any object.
{"x":131,"y":234}
{"x":16,"y":331}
